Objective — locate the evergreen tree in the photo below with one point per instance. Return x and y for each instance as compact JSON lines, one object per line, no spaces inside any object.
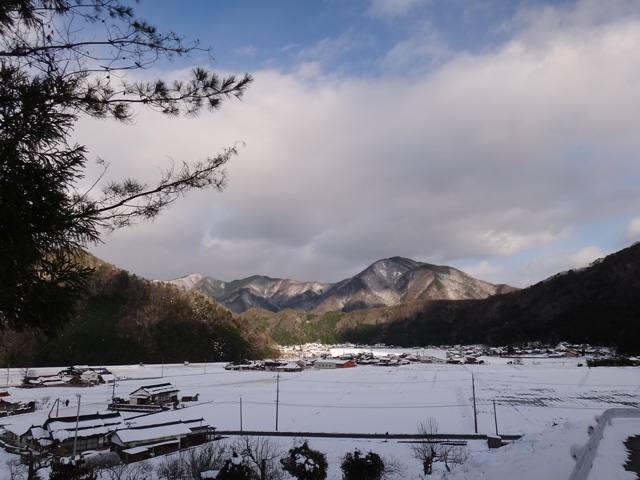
{"x":355,"y":466}
{"x":235,"y":468}
{"x":304,"y":463}
{"x":61,"y":60}
{"x":71,"y":471}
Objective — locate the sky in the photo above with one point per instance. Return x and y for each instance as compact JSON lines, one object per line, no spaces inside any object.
{"x":500,"y":138}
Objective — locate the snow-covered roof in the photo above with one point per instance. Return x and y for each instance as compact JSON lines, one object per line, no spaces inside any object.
{"x":150,"y":433}
{"x":290,"y":366}
{"x":151,"y":390}
{"x":86,"y":421}
{"x":334,"y":361}
{"x":135,"y":450}
{"x":39,"y":432}
{"x":82,"y":432}
{"x":19,"y":428}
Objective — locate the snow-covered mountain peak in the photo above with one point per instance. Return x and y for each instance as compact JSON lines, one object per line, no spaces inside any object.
{"x":190,"y":282}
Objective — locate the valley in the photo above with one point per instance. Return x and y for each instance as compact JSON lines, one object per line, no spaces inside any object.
{"x":541,"y":399}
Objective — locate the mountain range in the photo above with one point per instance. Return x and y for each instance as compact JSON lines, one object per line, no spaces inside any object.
{"x":598,"y":304}
{"x":127,"y":319}
{"x":384,"y":283}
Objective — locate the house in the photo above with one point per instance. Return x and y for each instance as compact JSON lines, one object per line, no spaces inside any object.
{"x":290,"y":367}
{"x":154,"y":394}
{"x":239,"y":367}
{"x":141,"y":442}
{"x":46,"y":381}
{"x":272,"y":365}
{"x":190,"y":398}
{"x":18,"y":433}
{"x":331,"y":363}
{"x":92,"y":432}
{"x":5,"y":404}
{"x":432,"y":359}
{"x":90,"y":377}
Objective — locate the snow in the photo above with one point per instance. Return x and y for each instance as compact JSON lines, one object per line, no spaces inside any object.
{"x":539,"y":456}
{"x":161,"y":431}
{"x":551,"y":402}
{"x":612,"y":454}
{"x":135,"y":450}
{"x":190,"y":282}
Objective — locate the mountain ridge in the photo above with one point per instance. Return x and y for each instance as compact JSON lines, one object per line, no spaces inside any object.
{"x":386,"y":282}
{"x":596,"y":304}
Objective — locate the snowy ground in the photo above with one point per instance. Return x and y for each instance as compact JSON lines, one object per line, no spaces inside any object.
{"x":549,"y":401}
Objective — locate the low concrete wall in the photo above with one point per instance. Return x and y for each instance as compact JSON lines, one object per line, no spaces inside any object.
{"x":585,"y":456}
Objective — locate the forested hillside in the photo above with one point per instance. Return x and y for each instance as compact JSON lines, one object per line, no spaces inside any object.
{"x":598,"y":305}
{"x":127,"y":319}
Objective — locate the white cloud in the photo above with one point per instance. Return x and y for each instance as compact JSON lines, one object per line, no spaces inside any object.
{"x":393,"y":8}
{"x":331,"y":48}
{"x":485,"y":271}
{"x":422,"y":52}
{"x":245,"y":50}
{"x":545,"y":266}
{"x":488,"y":155}
{"x":633,"y":231}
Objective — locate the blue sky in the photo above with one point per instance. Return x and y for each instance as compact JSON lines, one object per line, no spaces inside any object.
{"x":499,"y":137}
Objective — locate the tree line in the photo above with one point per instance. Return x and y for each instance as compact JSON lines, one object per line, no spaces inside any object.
{"x":127,"y":319}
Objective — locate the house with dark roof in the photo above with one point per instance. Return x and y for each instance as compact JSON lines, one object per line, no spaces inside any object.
{"x":91,"y":433}
{"x":140,"y":442}
{"x":5,"y":404}
{"x":154,"y":394}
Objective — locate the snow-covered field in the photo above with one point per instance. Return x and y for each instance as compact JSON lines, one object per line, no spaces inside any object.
{"x":551,"y":402}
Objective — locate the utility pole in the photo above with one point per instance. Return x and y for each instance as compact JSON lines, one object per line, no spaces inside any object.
{"x":475,"y":412}
{"x":240,"y":412}
{"x":75,"y":438}
{"x":55,"y":405}
{"x":113,"y":393}
{"x":495,"y":416}
{"x":277,"y":398}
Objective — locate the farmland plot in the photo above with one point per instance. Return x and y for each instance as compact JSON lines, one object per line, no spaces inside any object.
{"x":531,"y":398}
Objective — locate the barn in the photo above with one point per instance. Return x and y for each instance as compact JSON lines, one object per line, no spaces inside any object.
{"x":334,"y":363}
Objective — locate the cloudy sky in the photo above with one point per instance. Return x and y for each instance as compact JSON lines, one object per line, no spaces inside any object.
{"x":498,"y":137}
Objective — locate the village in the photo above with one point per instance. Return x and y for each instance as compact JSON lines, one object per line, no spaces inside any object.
{"x":313,"y":355}
{"x":68,"y":436}
{"x":154,"y":418}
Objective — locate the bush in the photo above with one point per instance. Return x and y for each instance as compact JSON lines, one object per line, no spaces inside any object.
{"x":71,"y":471}
{"x":354,"y":466}
{"x":612,"y":362}
{"x":304,"y":463}
{"x":236,"y":469}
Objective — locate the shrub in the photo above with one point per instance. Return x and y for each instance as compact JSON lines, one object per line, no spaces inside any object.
{"x":304,"y":463}
{"x":355,"y":466}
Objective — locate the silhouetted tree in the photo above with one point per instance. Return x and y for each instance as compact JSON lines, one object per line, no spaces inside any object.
{"x":235,"y":468}
{"x":305,"y":463}
{"x":71,"y":471}
{"x":355,"y":466}
{"x":61,"y":60}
